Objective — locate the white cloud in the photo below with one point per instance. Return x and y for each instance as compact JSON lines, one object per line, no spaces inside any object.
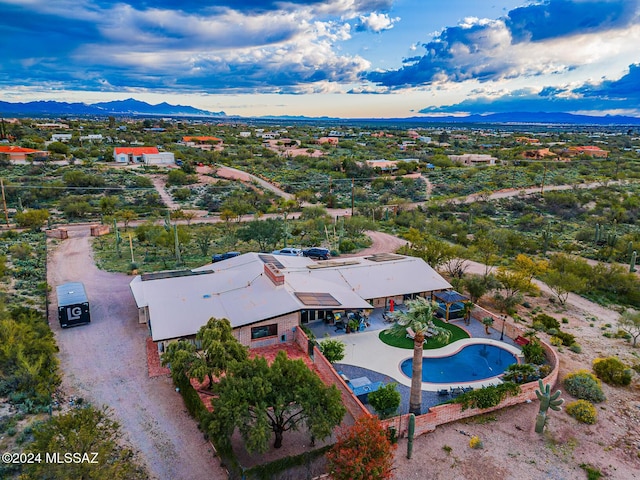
{"x":377,"y":22}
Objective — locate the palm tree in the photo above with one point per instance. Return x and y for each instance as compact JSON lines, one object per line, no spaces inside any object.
{"x":418,"y":316}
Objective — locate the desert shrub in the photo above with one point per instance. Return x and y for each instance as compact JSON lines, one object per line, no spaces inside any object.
{"x":547,"y":320}
{"x":476,"y":442}
{"x":567,"y":338}
{"x":533,"y":352}
{"x":584,"y":385}
{"x":583,"y":411}
{"x":521,"y":373}
{"x":555,"y":341}
{"x":612,"y":371}
{"x":537,"y":326}
{"x":553,"y":332}
{"x":575,"y":348}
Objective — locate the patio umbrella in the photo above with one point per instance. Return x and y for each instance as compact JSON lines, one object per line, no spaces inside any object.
{"x":391,"y":305}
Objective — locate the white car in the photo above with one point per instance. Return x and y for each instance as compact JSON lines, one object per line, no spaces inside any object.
{"x":291,"y":252}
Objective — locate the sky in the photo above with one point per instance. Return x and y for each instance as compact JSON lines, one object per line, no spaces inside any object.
{"x":336,"y":58}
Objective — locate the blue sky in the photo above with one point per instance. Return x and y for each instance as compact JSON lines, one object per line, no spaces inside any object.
{"x":342,"y":58}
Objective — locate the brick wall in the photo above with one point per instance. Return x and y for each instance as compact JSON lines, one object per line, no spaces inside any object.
{"x":286,"y":324}
{"x":330,"y":377}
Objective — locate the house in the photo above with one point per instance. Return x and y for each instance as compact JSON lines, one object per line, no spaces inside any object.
{"x":144,"y":155}
{"x":20,"y":154}
{"x":589,"y":150}
{"x":473,"y":159}
{"x":330,"y":140}
{"x":203,"y":143}
{"x":61,"y":137}
{"x":266,"y":297}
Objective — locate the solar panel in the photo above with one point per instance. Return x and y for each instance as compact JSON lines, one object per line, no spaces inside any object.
{"x":172,"y":274}
{"x":322,"y":299}
{"x":270,"y":259}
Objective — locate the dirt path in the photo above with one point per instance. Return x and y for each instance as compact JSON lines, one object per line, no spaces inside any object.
{"x":105,"y":363}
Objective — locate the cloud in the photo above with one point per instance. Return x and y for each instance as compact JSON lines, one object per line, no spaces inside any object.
{"x":376,"y":22}
{"x":553,"y":37}
{"x":222,"y":46}
{"x":607,"y":95}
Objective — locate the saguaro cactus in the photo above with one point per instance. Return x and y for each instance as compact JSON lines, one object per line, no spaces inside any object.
{"x":632,"y":262}
{"x":412,"y":429}
{"x":547,"y":400}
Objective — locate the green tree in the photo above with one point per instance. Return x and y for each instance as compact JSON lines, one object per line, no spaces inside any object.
{"x":433,"y":251}
{"x":58,"y":147}
{"x":266,"y":232}
{"x":127,"y":216}
{"x":513,"y":284}
{"x":203,"y":237}
{"x":630,"y":322}
{"x":332,"y":349}
{"x":385,"y":400}
{"x":108,"y":204}
{"x":362,"y":452}
{"x":33,"y":219}
{"x":218,"y":350}
{"x":561,"y":284}
{"x":260,"y":399}
{"x":89,"y":433}
{"x":418,"y":316}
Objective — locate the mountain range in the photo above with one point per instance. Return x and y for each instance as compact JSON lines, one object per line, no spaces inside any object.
{"x":118,"y":107}
{"x":134,"y":107}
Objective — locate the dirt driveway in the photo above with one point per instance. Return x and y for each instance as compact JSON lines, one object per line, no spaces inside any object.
{"x":105,"y":363}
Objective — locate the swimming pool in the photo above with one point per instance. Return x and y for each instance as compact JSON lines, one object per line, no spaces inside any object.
{"x":469,"y":364}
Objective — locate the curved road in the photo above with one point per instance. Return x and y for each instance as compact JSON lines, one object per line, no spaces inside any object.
{"x":105,"y":363}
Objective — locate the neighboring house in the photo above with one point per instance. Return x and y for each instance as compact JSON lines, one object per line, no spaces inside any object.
{"x":61,"y":137}
{"x":330,"y":140}
{"x":389,"y":165}
{"x":144,"y":155}
{"x":92,"y":137}
{"x":589,"y":150}
{"x":266,"y":297}
{"x":203,"y":143}
{"x":20,"y":154}
{"x":538,"y":154}
{"x":472,"y":159}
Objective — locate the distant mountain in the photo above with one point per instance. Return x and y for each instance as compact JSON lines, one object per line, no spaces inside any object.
{"x":118,"y":107}
{"x":530,"y":118}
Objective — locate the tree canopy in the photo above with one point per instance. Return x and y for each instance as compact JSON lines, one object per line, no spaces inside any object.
{"x":362,"y":452}
{"x":260,"y":399}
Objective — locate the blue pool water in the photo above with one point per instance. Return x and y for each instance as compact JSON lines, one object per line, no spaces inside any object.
{"x":469,"y":364}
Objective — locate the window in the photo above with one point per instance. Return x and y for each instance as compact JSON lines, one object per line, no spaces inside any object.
{"x":264,"y":331}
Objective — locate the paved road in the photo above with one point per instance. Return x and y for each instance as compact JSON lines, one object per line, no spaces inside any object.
{"x":105,"y":363}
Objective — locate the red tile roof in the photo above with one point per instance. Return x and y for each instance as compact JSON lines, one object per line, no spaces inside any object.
{"x":135,"y":150}
{"x":16,"y":149}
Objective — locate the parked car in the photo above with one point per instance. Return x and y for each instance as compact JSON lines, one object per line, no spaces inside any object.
{"x":291,"y":252}
{"x":218,"y":257}
{"x":317,"y":252}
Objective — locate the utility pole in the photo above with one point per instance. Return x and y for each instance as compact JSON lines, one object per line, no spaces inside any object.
{"x":4,"y":202}
{"x":352,"y":188}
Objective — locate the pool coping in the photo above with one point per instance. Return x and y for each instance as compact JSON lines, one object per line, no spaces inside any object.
{"x":366,"y":350}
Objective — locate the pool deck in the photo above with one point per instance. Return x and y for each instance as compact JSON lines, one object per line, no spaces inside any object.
{"x":365,"y":350}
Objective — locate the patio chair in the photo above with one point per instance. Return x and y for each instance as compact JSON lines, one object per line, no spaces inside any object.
{"x":443,"y":392}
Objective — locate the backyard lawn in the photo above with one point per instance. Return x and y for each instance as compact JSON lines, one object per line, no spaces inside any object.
{"x":457,"y":333}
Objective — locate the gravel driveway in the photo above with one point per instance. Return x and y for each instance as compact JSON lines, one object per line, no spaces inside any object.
{"x":105,"y":363}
